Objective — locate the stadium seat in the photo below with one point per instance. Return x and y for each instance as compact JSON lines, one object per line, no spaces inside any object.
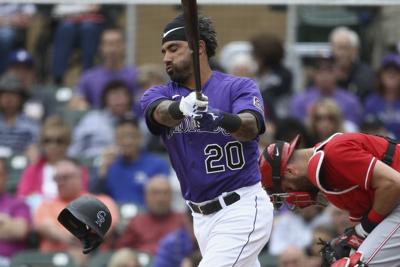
{"x":267,"y":260}
{"x":101,"y":259}
{"x":35,"y":258}
{"x":126,"y":212}
{"x":15,"y":165}
{"x":145,"y":259}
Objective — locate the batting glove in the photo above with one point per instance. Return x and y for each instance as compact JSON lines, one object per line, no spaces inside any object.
{"x":209,"y":119}
{"x":190,"y":105}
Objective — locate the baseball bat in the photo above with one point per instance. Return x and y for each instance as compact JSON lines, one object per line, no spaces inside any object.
{"x":193,"y":37}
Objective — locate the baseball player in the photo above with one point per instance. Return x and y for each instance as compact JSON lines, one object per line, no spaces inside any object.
{"x":355,"y":172}
{"x":212,"y":144}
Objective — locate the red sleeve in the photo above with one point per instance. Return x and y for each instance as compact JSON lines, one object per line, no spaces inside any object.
{"x":350,"y":164}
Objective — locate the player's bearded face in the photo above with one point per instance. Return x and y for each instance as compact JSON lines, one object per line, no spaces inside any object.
{"x":178,"y":62}
{"x":181,"y":71}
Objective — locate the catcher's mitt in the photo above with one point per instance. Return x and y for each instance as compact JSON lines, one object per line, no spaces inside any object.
{"x":339,"y":247}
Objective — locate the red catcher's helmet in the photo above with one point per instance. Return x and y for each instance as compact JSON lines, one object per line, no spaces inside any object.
{"x":273,"y":163}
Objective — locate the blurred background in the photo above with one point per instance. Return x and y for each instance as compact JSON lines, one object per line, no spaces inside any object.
{"x":71,"y":79}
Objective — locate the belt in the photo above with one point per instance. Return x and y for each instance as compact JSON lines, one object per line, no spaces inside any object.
{"x":215,"y":205}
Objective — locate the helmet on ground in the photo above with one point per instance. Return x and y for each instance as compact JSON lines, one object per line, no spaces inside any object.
{"x":88,"y":219}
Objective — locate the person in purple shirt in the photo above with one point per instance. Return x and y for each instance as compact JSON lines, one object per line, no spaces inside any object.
{"x":325,"y":86}
{"x":384,"y":103}
{"x":90,"y":87}
{"x":212,"y":145}
{"x":175,"y":246}
{"x":15,"y":219}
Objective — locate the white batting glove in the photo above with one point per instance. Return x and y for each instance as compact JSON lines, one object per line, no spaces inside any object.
{"x":190,"y":106}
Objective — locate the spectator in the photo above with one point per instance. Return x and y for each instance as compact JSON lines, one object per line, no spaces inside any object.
{"x":351,"y":73}
{"x":295,"y":228}
{"x":292,"y":257}
{"x":93,"y":81}
{"x":145,"y":231}
{"x":79,"y":24}
{"x":150,"y":75}
{"x":325,"y":86}
{"x":274,"y":79}
{"x":37,"y":181}
{"x":14,"y":20}
{"x":177,"y":245}
{"x":15,"y":220}
{"x":122,"y":175}
{"x":124,"y":257}
{"x":384,"y":104}
{"x":40,"y":104}
{"x":236,"y":59}
{"x":54,"y":237}
{"x":372,"y":125}
{"x":17,"y":132}
{"x":325,"y":119}
{"x":95,"y":131}
{"x":288,"y":128}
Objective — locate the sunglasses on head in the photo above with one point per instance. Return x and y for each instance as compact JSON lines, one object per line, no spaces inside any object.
{"x":54,"y":140}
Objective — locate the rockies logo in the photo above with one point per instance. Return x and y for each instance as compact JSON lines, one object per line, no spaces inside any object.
{"x":100,"y":218}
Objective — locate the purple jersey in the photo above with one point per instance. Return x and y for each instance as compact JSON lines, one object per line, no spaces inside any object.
{"x":209,"y":163}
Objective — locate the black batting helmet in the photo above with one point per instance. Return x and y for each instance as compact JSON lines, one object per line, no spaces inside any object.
{"x":88,"y":219}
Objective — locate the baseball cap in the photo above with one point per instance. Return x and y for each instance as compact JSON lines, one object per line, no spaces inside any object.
{"x":273,"y":161}
{"x":20,"y":56}
{"x":391,"y":60}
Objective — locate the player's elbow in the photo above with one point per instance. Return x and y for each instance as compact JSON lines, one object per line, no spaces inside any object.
{"x":247,"y":131}
{"x":390,"y":184}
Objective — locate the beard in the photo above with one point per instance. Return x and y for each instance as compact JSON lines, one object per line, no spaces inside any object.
{"x":180,"y":73}
{"x":305,"y":185}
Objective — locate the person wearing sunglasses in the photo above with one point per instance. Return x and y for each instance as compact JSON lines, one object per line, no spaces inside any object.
{"x":37,"y":181}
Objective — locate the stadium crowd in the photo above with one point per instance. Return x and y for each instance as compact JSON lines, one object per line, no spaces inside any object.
{"x":55,"y":147}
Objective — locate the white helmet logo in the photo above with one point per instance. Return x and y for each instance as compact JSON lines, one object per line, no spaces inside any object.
{"x":276,"y":151}
{"x":100,"y":218}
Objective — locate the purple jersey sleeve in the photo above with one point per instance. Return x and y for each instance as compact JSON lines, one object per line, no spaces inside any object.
{"x":247,"y":97}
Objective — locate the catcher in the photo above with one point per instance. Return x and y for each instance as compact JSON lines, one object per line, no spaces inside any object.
{"x":355,"y":172}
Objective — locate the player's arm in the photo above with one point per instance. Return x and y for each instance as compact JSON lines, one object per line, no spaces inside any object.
{"x":248,"y":126}
{"x":167,"y":113}
{"x":385,"y":182}
{"x":386,"y":185}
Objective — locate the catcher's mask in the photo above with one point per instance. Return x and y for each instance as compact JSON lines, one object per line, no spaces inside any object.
{"x":88,"y":219}
{"x":294,"y":200}
{"x":272,"y":163}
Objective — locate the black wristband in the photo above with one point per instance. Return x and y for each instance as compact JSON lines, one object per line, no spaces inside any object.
{"x":367,"y":225}
{"x":174,"y":111}
{"x":231,"y":122}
